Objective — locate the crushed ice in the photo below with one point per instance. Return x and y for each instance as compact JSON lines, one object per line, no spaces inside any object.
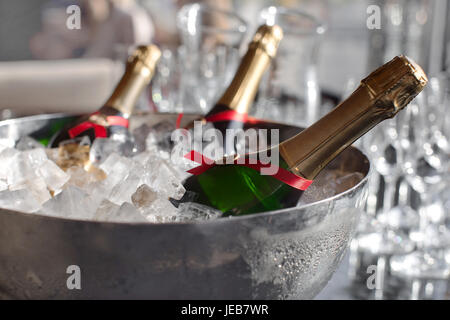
{"x":125,"y":178}
{"x":131,"y":180}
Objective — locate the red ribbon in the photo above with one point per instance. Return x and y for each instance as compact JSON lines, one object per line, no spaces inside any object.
{"x":99,"y":130}
{"x":281,"y":174}
{"x":180,"y":116}
{"x":226,"y":115}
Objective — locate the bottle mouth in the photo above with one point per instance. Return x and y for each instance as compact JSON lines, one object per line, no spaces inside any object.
{"x":395,"y":84}
{"x":418,"y":71}
{"x":268,"y":39}
{"x":400,"y":72}
{"x":148,"y":55}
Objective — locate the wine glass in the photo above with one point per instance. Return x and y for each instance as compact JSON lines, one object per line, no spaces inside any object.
{"x":212,"y":39}
{"x":289,"y":91}
{"x":424,"y":146}
{"x":426,"y":167}
{"x":166,"y":89}
{"x":422,"y":268}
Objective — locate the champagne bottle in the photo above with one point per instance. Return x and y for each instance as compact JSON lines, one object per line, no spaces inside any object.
{"x":112,"y":116}
{"x":236,"y":189}
{"x":238,"y":97}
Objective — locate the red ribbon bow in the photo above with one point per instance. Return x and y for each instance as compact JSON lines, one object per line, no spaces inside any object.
{"x":281,"y":174}
{"x":99,"y":130}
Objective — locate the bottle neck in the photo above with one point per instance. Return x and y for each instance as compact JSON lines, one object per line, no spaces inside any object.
{"x":311,"y":150}
{"x":124,"y":98}
{"x":241,"y":92}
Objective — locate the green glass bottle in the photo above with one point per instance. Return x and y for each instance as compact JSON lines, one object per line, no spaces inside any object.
{"x":139,"y":71}
{"x":238,"y":190}
{"x":240,"y":94}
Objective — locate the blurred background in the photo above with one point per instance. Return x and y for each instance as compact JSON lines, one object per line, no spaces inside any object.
{"x":36,"y":30}
{"x":57,"y":57}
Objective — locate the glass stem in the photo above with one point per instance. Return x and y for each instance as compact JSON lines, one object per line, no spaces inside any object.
{"x":389,"y":192}
{"x":423,"y":216}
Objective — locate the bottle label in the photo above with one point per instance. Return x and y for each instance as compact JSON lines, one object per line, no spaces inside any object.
{"x":99,"y":130}
{"x":280,"y":174}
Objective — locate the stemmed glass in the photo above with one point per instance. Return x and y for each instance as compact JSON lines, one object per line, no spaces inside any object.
{"x":290,"y":92}
{"x":212,"y":39}
{"x":384,"y":235}
{"x":426,"y":161}
{"x":426,"y":167}
{"x":166,"y":89}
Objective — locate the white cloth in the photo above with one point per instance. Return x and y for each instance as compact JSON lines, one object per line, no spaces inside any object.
{"x":73,"y":86}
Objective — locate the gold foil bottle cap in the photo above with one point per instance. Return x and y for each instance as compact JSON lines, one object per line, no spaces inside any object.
{"x":267,"y":38}
{"x":148,"y":55}
{"x":395,"y":84}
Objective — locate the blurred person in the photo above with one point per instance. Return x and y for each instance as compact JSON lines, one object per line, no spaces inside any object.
{"x":108,"y":28}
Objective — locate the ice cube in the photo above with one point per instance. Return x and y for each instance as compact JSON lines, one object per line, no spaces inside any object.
{"x":36,"y":157}
{"x":123,"y":191}
{"x":116,"y":163}
{"x":127,"y":213}
{"x":116,"y":179}
{"x":19,"y":200}
{"x":324,"y":186}
{"x":53,"y":175}
{"x":128,"y":146}
{"x":117,"y":169}
{"x":181,"y":164}
{"x":140,"y":135}
{"x":20,"y":171}
{"x":160,"y":136}
{"x":329,"y":183}
{"x":191,"y":211}
{"x":155,"y":206}
{"x":28,"y":143}
{"x":143,"y":157}
{"x":160,"y":211}
{"x":79,"y":177}
{"x":22,"y":174}
{"x":102,"y":148}
{"x":188,"y":196}
{"x":72,"y":154}
{"x":105,"y":210}
{"x":120,"y":142}
{"x":6,"y":157}
{"x":161,"y":176}
{"x":73,"y":203}
{"x":150,"y":156}
{"x":52,"y":154}
{"x":144,"y":196}
{"x":108,"y":211}
{"x":37,"y":187}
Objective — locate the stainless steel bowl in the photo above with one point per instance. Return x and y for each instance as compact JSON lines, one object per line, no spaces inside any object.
{"x":284,"y":254}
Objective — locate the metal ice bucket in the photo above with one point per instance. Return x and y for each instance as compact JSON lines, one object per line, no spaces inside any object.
{"x":284,"y":254}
